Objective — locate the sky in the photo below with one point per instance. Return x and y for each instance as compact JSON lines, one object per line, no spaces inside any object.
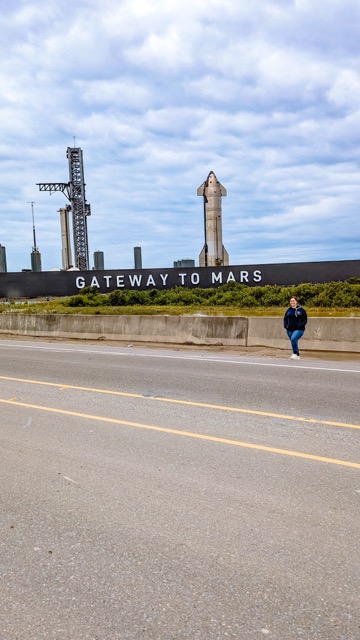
{"x":157,"y":94}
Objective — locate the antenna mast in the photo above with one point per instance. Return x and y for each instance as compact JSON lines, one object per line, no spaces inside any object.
{"x":35,"y":254}
{"x":33,"y":222}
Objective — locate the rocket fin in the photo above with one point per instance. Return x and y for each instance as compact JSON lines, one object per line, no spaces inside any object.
{"x":222,"y":190}
{"x":202,"y":257}
{"x":201,"y":189}
{"x":225,"y":257}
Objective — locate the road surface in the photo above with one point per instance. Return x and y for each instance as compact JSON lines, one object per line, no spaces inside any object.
{"x":161,"y":494}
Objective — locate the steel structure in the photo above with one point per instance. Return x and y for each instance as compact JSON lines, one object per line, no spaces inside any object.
{"x":74,"y":190}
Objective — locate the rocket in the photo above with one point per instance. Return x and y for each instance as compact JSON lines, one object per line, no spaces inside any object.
{"x":213,"y":253}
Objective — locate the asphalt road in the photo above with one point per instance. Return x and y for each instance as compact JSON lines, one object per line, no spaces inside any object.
{"x":177,"y":495}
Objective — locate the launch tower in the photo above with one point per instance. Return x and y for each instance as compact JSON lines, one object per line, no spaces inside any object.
{"x":74,"y":190}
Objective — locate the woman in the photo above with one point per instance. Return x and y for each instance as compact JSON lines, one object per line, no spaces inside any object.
{"x":295,"y":319}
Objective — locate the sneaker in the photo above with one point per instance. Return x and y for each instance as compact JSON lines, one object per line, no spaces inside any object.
{"x":294,"y":357}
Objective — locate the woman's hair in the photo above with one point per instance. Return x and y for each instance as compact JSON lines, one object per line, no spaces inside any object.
{"x":293,"y":298}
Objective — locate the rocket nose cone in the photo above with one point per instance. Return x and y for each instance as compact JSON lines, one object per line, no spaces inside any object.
{"x":212,"y":184}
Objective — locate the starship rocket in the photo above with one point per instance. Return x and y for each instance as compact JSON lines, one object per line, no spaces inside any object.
{"x":213,"y":253}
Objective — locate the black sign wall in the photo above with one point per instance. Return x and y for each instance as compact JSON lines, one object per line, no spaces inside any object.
{"x":65,"y":283}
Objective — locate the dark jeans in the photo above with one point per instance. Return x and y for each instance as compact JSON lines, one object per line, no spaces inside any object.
{"x":294,"y":336}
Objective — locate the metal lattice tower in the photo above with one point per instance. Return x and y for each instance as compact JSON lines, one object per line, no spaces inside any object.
{"x":80,"y":209}
{"x":74,"y":190}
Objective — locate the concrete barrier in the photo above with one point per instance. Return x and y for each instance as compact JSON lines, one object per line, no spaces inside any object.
{"x":322,"y":334}
{"x":195,"y":330}
{"x":30,"y":325}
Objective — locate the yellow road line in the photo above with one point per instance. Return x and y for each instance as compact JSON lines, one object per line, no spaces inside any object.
{"x":266,"y":414}
{"x":187,"y":434}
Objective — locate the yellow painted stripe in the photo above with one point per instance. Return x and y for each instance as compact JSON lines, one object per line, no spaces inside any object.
{"x":188,"y":434}
{"x":266,"y":414}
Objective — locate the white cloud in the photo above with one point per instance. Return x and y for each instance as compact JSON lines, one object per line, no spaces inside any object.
{"x":345,"y":92}
{"x":266,"y":94}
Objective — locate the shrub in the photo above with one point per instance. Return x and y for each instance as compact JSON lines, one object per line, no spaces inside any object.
{"x":76,"y":301}
{"x":89,"y":297}
{"x":117,"y":298}
{"x":331,"y":294}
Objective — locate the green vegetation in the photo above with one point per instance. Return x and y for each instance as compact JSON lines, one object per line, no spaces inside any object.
{"x":332,"y":298}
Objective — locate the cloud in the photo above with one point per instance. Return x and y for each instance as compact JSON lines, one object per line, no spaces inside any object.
{"x":266,"y":94}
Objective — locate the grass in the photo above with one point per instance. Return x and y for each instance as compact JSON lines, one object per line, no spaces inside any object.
{"x":57,"y":306}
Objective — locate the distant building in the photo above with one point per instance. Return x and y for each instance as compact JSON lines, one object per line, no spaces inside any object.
{"x":179,"y":264}
{"x":98,"y":260}
{"x":35,"y":260}
{"x":137,"y":258}
{"x":3,"y":267}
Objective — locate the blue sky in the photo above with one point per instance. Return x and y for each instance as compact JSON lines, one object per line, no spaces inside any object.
{"x":264,"y":93}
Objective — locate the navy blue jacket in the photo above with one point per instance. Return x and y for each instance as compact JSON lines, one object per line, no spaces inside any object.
{"x":295,"y":319}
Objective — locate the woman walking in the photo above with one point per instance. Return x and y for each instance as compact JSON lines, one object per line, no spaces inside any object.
{"x":295,"y":319}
